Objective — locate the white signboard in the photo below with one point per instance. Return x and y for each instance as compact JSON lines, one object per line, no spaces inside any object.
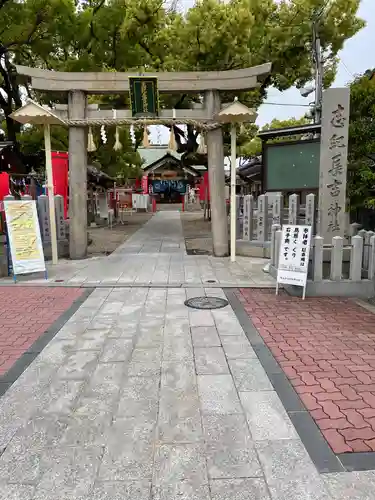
{"x":25,"y":242}
{"x":294,"y":256}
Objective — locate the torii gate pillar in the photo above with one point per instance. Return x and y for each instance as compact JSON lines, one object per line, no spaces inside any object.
{"x":216,"y":176}
{"x":77,"y":177}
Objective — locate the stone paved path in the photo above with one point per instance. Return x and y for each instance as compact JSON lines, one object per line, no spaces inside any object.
{"x":25,"y":314}
{"x":326,"y":346}
{"x":138,"y":397}
{"x":156,"y":256}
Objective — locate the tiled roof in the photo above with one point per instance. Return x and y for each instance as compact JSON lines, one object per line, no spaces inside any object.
{"x":155,"y":153}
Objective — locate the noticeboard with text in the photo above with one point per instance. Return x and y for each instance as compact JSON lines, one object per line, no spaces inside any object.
{"x":25,"y":242}
{"x":144,"y":97}
{"x":294,"y":255}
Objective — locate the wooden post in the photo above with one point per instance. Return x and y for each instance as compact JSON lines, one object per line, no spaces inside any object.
{"x":51,"y":196}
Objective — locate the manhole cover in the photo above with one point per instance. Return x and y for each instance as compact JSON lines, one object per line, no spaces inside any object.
{"x":211,"y":281}
{"x":206,"y":303}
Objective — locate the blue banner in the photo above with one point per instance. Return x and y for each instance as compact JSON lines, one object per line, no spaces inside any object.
{"x":166,"y":186}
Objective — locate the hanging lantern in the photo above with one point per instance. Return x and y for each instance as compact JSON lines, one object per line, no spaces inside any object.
{"x":172,"y":146}
{"x":103,"y":134}
{"x":90,"y":142}
{"x":202,"y":149}
{"x":146,"y":141}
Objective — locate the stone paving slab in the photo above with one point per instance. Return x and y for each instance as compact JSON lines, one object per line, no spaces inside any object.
{"x":139,"y":397}
{"x":155,"y":256}
{"x":121,"y":406}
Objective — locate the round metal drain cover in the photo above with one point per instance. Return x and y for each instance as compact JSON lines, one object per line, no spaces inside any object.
{"x":206,"y":303}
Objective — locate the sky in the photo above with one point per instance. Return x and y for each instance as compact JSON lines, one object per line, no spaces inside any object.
{"x":357,"y":56}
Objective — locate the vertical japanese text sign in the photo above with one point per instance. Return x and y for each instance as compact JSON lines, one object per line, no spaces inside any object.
{"x":294,"y":255}
{"x":144,"y":96}
{"x":333,"y":163}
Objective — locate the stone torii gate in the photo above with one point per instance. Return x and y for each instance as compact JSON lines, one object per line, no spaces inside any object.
{"x":79,"y":116}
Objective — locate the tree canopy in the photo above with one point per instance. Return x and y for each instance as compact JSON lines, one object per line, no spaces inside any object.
{"x":253,"y":147}
{"x":361,"y":171}
{"x":121,"y":35}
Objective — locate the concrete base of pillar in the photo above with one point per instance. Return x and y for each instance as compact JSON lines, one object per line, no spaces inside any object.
{"x":363,"y":289}
{"x":62,"y":250}
{"x":253,"y":249}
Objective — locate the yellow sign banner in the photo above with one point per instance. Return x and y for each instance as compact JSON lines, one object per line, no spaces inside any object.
{"x":24,"y":236}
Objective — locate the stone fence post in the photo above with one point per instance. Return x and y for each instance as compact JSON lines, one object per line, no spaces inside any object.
{"x":277,"y":208}
{"x":273,"y":256}
{"x":336,"y":258}
{"x":278,"y":241}
{"x":60,"y":221}
{"x":371,"y":266}
{"x":262,"y":218}
{"x":248,"y":213}
{"x":356,"y":255}
{"x":366,"y":249}
{"x":238,"y":215}
{"x":43,"y":213}
{"x":318,"y":258}
{"x":293,"y":209}
{"x":310,"y":211}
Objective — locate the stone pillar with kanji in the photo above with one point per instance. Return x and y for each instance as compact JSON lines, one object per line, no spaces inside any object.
{"x":333,"y":163}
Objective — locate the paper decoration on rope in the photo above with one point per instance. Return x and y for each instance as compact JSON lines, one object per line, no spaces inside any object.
{"x":118,"y":144}
{"x":132,"y":134}
{"x":202,"y":149}
{"x":146,"y":141}
{"x":103,"y":134}
{"x":90,"y":142}
{"x":172,"y":146}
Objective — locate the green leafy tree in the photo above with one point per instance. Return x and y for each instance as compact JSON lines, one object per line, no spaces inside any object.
{"x":124,"y":163}
{"x":123,"y":35}
{"x":361,"y":171}
{"x":31,"y":32}
{"x":31,"y":139}
{"x":220,"y":36}
{"x":253,"y":147}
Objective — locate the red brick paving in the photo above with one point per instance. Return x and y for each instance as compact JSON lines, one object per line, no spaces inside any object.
{"x":25,"y":314}
{"x":326,"y":347}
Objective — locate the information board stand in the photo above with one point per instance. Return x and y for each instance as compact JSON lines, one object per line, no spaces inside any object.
{"x":25,"y":242}
{"x":294,"y":257}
